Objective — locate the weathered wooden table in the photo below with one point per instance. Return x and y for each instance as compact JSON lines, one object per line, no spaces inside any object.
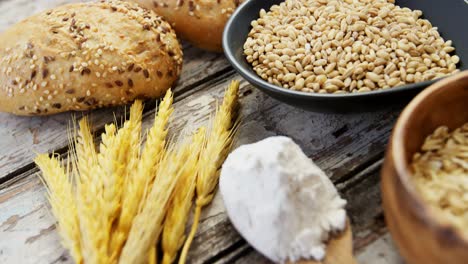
{"x":348,"y":147}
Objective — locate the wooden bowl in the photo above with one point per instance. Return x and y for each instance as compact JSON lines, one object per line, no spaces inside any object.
{"x":420,"y":237}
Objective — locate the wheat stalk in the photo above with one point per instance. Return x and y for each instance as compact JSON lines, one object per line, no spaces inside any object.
{"x":61,"y":197}
{"x":153,"y":255}
{"x":212,"y":157}
{"x":137,"y":182}
{"x":147,"y":225}
{"x":174,"y":226}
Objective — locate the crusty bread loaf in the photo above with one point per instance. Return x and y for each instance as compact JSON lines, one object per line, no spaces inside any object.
{"x":199,"y":21}
{"x":86,"y":55}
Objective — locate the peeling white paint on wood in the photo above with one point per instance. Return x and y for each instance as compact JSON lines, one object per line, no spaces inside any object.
{"x":27,"y":228}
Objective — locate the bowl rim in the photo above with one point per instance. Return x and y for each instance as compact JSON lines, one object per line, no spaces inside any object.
{"x":259,"y":82}
{"x":403,"y":171}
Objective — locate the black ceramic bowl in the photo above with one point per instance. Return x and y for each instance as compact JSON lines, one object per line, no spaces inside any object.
{"x":450,"y":16}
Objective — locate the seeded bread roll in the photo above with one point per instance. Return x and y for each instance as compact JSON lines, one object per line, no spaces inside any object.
{"x":86,"y":55}
{"x":199,"y":21}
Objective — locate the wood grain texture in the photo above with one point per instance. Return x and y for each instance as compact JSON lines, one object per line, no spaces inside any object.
{"x":380,"y":251}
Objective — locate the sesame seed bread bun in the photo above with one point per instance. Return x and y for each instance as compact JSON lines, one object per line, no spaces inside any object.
{"x":86,"y":55}
{"x":201,"y":22}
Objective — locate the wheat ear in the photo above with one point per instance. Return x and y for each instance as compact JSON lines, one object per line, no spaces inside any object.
{"x":85,"y":151}
{"x":138,"y":181}
{"x":130,"y":137}
{"x":119,"y":154}
{"x":61,"y":197}
{"x":212,"y":157}
{"x":147,"y":225}
{"x":90,"y":200}
{"x":112,"y":179}
{"x":174,"y":225}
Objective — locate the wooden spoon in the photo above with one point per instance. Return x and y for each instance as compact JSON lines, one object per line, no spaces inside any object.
{"x":339,"y":249}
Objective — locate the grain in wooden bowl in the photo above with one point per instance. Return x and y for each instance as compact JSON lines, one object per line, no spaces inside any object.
{"x":421,"y":233}
{"x":440,"y":172}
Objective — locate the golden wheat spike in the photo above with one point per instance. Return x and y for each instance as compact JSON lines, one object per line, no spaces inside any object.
{"x":112,"y":181}
{"x":130,"y":137}
{"x":174,"y":225}
{"x":119,"y":153}
{"x":138,"y":181}
{"x":86,"y":156}
{"x":60,"y":193}
{"x":107,"y":139}
{"x":156,"y":137}
{"x":147,"y":225}
{"x":89,"y":198}
{"x":212,"y":157}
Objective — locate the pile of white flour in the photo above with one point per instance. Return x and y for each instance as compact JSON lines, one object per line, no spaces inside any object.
{"x":280,"y":201}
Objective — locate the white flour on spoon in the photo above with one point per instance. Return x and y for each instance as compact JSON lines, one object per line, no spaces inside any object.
{"x":280,"y":201}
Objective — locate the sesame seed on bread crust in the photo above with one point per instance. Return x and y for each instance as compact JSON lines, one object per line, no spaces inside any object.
{"x":84,"y":56}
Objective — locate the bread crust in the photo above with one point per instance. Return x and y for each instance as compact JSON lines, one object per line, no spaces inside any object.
{"x":201,"y":22}
{"x":86,"y":55}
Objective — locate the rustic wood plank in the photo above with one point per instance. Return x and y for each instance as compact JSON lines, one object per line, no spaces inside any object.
{"x":381,"y":251}
{"x":29,"y":225}
{"x":340,"y":144}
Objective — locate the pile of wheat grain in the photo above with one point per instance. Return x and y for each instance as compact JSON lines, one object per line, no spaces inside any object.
{"x":441,"y":175}
{"x":113,"y":203}
{"x":343,"y":46}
